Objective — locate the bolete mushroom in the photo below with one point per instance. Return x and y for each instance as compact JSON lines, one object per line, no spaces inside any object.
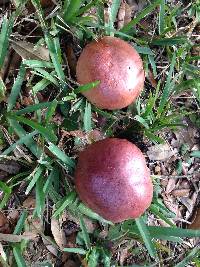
{"x":113,"y":180}
{"x":118,"y":67}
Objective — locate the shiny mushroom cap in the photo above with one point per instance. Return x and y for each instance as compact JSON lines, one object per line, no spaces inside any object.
{"x":118,"y":67}
{"x":113,"y":180}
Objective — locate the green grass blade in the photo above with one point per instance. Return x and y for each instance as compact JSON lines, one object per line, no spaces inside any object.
{"x":69,"y":199}
{"x":85,"y":233}
{"x":44,"y":74}
{"x":162,"y":17}
{"x":37,"y":64}
{"x":20,"y":224}
{"x":40,"y":197}
{"x":113,"y":14}
{"x":88,"y":212}
{"x":51,"y":43}
{"x":141,"y":15}
{"x":18,"y":256}
{"x":173,"y":231}
{"x":47,"y":133}
{"x":80,"y":251}
{"x":151,"y":102}
{"x":16,"y":88}
{"x":153,"y":64}
{"x":71,"y":10}
{"x":146,"y":237}
{"x":195,"y":154}
{"x":141,"y":121}
{"x":179,"y":40}
{"x":34,"y":177}
{"x":186,"y":85}
{"x":53,"y":175}
{"x":86,"y":87}
{"x":144,"y":50}
{"x":87,"y":7}
{"x":21,"y":141}
{"x":6,"y":30}
{"x":30,"y":143}
{"x":33,"y":108}
{"x":87,"y":118}
{"x":41,"y":85}
{"x":51,"y":110}
{"x":7,"y":192}
{"x":61,"y":156}
{"x":2,"y":90}
{"x":190,"y":257}
{"x":168,"y":86}
{"x":93,"y":258}
{"x":156,"y":211}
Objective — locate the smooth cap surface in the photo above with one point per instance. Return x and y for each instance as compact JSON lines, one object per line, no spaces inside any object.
{"x":113,"y":180}
{"x":118,"y":67}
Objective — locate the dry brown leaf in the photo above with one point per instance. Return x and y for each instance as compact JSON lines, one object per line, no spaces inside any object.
{"x":124,"y":14}
{"x":152,"y":79}
{"x":196,"y":222}
{"x":29,"y":51}
{"x":137,"y":5}
{"x":17,"y":238}
{"x":29,"y":203}
{"x":2,"y":252}
{"x":160,"y":152}
{"x":170,"y":185}
{"x":71,"y":59}
{"x":183,"y":192}
{"x":171,"y":204}
{"x":187,"y":202}
{"x":11,"y":167}
{"x":50,"y":247}
{"x":35,"y":225}
{"x":58,"y":233}
{"x":4,"y":224}
{"x":71,"y":263}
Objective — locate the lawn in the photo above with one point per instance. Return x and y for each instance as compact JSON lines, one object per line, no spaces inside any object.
{"x":46,"y":121}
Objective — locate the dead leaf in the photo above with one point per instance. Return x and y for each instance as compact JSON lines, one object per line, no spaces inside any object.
{"x":152,"y":79}
{"x":29,"y":203}
{"x":35,"y":225}
{"x":50,"y":247}
{"x":2,"y":252}
{"x":171,"y":204}
{"x":124,"y":14}
{"x":71,"y":59}
{"x":181,"y":192}
{"x":71,"y":263}
{"x":170,"y":185}
{"x":196,"y":222}
{"x":11,"y":167}
{"x":137,"y":5}
{"x":160,"y":152}
{"x":58,"y":233}
{"x":17,"y":238}
{"x":187,"y":202}
{"x":4,"y":224}
{"x":186,"y":135}
{"x":30,"y":51}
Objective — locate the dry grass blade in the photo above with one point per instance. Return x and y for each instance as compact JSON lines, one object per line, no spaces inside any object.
{"x":17,"y":238}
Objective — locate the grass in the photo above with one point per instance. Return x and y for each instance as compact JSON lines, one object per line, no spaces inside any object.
{"x":47,"y":162}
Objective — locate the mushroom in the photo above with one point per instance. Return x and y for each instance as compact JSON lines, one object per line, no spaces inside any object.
{"x":113,"y":180}
{"x":118,"y":67}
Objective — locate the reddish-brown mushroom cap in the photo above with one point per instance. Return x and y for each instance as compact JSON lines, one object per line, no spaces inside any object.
{"x":113,"y":180}
{"x":118,"y":67}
